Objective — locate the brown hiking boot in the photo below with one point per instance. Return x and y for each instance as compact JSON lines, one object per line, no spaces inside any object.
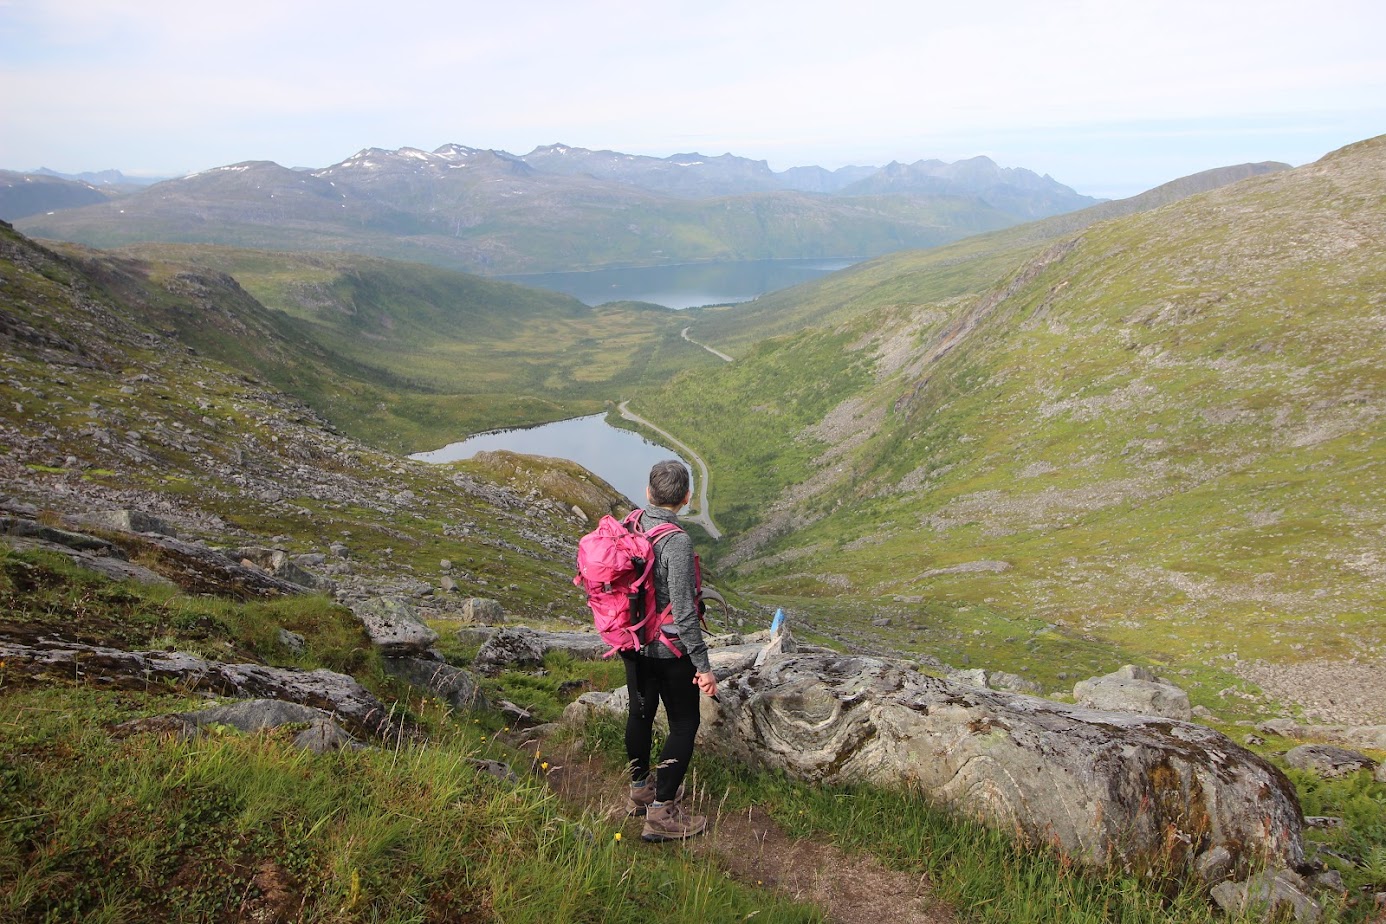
{"x":641,"y":796}
{"x":670,"y":821}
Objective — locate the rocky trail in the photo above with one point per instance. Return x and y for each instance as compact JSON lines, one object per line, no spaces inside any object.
{"x":848,"y":888}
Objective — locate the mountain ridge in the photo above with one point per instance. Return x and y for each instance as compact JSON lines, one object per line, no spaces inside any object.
{"x":557,"y":208}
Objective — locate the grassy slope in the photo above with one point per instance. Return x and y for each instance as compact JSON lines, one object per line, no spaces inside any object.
{"x":111,"y":826}
{"x":105,"y":826}
{"x":1169,"y":431}
{"x":403,"y":355}
{"x":914,"y":278}
{"x":101,"y":826}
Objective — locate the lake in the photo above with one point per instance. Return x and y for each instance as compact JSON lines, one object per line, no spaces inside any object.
{"x":620,"y":457}
{"x":687,"y":285}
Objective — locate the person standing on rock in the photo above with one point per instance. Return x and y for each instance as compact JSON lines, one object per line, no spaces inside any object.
{"x":675,"y":673}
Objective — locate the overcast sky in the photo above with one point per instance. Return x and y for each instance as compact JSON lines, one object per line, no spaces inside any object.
{"x":1110,"y":96}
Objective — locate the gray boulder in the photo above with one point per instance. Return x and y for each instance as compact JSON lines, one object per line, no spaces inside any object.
{"x":324,"y":737}
{"x":1328,"y":761}
{"x":511,"y":647}
{"x":615,"y":703}
{"x":519,"y":646}
{"x":452,"y":684}
{"x":112,"y":668}
{"x":394,"y":626}
{"x":198,"y":569}
{"x":483,"y":610}
{"x":1106,"y":787}
{"x":321,"y":735}
{"x":1214,"y":866}
{"x":1133,"y":689}
{"x":255,"y":715}
{"x":1269,"y":893}
{"x":103,"y":561}
{"x":130,"y":521}
{"x":281,"y":564}
{"x":475,"y":635}
{"x":1372,"y":737}
{"x":293,"y":643}
{"x":995,"y":680}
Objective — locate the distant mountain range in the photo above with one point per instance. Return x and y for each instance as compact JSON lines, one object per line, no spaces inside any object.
{"x":561,"y":207}
{"x":102,"y":177}
{"x":23,"y":194}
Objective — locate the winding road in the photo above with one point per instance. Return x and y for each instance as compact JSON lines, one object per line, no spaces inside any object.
{"x":718,"y":353}
{"x":704,"y":515}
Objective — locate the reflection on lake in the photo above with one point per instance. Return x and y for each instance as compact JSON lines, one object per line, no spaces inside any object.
{"x":620,"y":457}
{"x":687,"y":285}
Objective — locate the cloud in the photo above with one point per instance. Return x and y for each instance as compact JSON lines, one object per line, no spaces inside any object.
{"x":785,"y":80}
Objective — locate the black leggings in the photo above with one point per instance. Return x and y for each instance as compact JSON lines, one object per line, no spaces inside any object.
{"x":650,"y":680}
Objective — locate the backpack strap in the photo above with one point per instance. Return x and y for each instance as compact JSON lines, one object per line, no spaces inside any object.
{"x":654,"y":535}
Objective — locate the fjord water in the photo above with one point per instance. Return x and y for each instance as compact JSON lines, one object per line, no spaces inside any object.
{"x":687,"y":285}
{"x":620,"y":457}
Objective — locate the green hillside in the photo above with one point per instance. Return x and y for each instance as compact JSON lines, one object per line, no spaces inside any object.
{"x":404,"y":355}
{"x":920,"y":277}
{"x":1157,"y":439}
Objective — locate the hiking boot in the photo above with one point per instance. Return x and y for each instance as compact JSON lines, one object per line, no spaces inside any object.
{"x":641,"y":796}
{"x":670,"y":821}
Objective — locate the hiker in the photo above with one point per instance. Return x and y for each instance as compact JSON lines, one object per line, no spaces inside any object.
{"x":675,"y":669}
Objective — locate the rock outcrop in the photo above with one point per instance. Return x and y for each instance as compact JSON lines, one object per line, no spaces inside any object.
{"x":1328,"y":761}
{"x":483,"y":610}
{"x":395,"y":627}
{"x":321,"y":736}
{"x":130,"y":521}
{"x":451,"y":684}
{"x":278,"y":563}
{"x":519,"y":646}
{"x":1106,"y":787}
{"x":1134,"y":689}
{"x":1270,"y":894}
{"x":1356,"y":736}
{"x":110,"y":668}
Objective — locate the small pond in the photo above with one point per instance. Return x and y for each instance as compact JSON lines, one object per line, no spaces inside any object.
{"x":620,"y":457}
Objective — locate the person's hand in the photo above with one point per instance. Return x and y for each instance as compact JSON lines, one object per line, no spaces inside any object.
{"x":706,"y":682}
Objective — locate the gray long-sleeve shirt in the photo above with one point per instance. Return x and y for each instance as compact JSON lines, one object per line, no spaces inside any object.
{"x":676,"y":580}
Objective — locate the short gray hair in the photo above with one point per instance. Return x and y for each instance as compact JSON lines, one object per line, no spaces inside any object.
{"x":669,"y":482}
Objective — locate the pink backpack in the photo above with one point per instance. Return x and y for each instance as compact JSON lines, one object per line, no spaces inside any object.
{"x":616,"y":567}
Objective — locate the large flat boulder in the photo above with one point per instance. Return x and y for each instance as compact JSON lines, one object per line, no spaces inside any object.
{"x":451,"y":684}
{"x":395,"y":626}
{"x":520,"y":646}
{"x":112,"y":668}
{"x":1106,"y":787}
{"x":278,"y":563}
{"x":1134,"y":689}
{"x":130,"y":521}
{"x":321,"y":735}
{"x":1328,"y":761}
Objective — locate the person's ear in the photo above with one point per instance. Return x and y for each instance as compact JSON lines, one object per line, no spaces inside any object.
{"x":649,"y":498}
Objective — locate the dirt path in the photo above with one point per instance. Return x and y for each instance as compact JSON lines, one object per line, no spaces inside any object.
{"x":850,"y":889}
{"x":704,"y":515}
